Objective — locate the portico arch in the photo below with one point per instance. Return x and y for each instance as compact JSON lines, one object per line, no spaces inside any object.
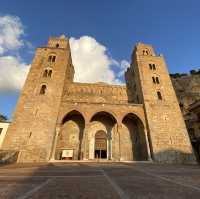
{"x":133,"y":144}
{"x":69,"y":142}
{"x":105,"y":114}
{"x":101,"y":121}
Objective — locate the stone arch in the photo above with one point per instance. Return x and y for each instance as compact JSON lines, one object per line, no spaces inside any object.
{"x":159,"y":95}
{"x":133,"y":146}
{"x":104,"y":112}
{"x":88,"y":90}
{"x":52,"y":54}
{"x":71,"y":136}
{"x":137,"y":114}
{"x":47,"y":72}
{"x":51,"y":57}
{"x":156,"y":76}
{"x":72,"y":111}
{"x":43,"y":89}
{"x":90,"y":131}
{"x":101,"y":121}
{"x":84,"y":89}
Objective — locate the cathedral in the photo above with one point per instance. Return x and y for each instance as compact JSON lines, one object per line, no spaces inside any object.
{"x":57,"y":119}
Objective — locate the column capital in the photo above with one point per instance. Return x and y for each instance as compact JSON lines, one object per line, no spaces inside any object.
{"x":57,"y":130}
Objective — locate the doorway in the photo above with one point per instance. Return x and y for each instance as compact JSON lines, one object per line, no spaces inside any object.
{"x":100,"y":145}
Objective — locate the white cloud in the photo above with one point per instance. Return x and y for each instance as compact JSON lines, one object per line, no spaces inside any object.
{"x":11,"y":30}
{"x":90,"y":58}
{"x":13,"y":70}
{"x":92,"y":63}
{"x":123,"y":65}
{"x":13,"y":73}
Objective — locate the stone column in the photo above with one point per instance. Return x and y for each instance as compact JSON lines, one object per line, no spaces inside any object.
{"x":85,"y":144}
{"x":148,"y":145}
{"x":57,"y":130}
{"x":115,"y":143}
{"x":109,"y":137}
{"x":119,"y":128}
{"x":83,"y":147}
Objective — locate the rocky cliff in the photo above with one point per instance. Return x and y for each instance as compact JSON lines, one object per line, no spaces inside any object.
{"x":187,"y":88}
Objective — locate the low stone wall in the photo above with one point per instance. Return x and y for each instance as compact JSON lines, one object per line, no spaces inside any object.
{"x":8,"y":156}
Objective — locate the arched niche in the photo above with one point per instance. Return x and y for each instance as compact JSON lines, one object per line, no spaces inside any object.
{"x":71,"y":136}
{"x":133,"y":144}
{"x":103,"y":121}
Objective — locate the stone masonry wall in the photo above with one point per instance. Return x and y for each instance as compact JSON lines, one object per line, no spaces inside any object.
{"x":34,"y":121}
{"x":168,"y":135}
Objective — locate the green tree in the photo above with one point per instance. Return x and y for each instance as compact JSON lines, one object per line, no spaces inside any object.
{"x":193,"y":72}
{"x":3,"y":118}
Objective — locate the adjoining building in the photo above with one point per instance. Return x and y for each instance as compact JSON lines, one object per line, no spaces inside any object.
{"x":192,"y":119}
{"x":187,"y":88}
{"x":3,"y":130}
{"x":59,"y":119}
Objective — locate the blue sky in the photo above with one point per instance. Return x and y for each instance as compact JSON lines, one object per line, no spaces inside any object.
{"x":172,"y":27}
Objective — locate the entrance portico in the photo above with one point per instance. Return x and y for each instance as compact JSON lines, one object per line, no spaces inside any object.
{"x":102,"y":137}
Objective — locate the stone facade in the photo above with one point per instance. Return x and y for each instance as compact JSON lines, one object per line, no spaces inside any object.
{"x":169,"y":139}
{"x":57,"y":118}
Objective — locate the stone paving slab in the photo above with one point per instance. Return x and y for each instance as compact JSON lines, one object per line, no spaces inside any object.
{"x":14,"y":189}
{"x":84,"y":188}
{"x":139,"y":185}
{"x":185,"y":175}
{"x":99,"y":180}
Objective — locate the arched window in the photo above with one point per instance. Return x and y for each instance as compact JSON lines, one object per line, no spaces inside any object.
{"x":45,"y":73}
{"x":57,"y":45}
{"x":154,"y":81}
{"x":152,"y":66}
{"x":159,"y":95}
{"x":43,"y":89}
{"x":30,"y":134}
{"x":157,"y":80}
{"x":52,"y":58}
{"x":145,"y":52}
{"x":49,"y":58}
{"x":49,"y":73}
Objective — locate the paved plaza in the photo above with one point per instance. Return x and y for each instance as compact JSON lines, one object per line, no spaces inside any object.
{"x":99,"y":180}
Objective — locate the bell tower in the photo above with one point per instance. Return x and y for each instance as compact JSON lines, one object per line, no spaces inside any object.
{"x":33,"y":127}
{"x":152,"y":87}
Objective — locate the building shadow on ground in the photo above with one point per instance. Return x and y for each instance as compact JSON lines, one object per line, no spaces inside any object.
{"x":27,"y":180}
